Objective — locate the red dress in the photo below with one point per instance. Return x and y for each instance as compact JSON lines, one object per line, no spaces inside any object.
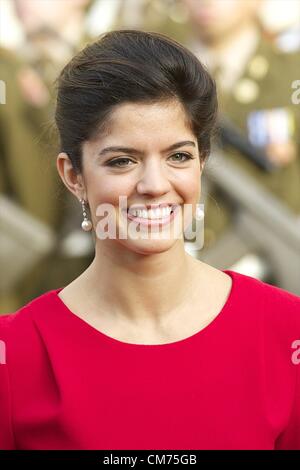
{"x":231,"y":385}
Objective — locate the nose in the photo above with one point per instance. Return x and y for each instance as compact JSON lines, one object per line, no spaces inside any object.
{"x":154,"y":179}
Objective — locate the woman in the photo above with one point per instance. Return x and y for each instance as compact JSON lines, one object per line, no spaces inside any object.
{"x":148,"y":348}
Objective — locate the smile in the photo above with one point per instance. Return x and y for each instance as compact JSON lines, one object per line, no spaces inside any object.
{"x":152,"y":217}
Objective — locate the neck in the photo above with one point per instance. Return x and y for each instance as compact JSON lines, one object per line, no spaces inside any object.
{"x":64,"y":42}
{"x":139,"y":286}
{"x":72,"y":31}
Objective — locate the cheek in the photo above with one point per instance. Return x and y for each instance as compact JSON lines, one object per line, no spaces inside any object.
{"x":108,"y":188}
{"x":189,"y":184}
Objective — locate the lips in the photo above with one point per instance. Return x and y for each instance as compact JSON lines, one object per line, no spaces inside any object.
{"x":153,"y":213}
{"x":153,"y":219}
{"x":151,"y":206}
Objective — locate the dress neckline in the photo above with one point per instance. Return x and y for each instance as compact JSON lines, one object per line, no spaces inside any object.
{"x":62,"y":307}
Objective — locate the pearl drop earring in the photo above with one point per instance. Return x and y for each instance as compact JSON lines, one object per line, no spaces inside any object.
{"x":86,"y":223}
{"x":199,"y":215}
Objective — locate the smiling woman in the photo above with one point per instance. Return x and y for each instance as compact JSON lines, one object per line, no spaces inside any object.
{"x":149,"y":112}
{"x":161,"y":350}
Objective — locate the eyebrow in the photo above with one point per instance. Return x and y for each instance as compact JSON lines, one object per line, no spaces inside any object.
{"x":133,"y":150}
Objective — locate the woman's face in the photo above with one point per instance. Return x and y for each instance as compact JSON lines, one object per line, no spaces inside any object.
{"x":36,"y":14}
{"x":216,"y":19}
{"x":150,"y":156}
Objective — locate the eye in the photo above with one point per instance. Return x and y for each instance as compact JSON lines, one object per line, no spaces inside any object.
{"x":182,"y":157}
{"x":118,"y":162}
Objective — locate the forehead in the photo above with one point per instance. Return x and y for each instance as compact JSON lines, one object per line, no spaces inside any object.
{"x":144,"y":121}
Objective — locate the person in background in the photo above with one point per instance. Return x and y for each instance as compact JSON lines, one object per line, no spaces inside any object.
{"x":53,"y":31}
{"x":254,"y":80}
{"x":25,"y":169}
{"x":52,"y":36}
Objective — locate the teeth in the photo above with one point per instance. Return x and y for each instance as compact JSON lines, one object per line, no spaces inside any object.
{"x":158,"y":213}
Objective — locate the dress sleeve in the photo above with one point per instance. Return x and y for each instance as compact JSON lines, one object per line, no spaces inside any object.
{"x":6,"y":430}
{"x":290,"y":438}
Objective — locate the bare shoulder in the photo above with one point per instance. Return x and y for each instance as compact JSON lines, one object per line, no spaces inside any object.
{"x":73,"y":293}
{"x":212,"y":289}
{"x":213,"y":278}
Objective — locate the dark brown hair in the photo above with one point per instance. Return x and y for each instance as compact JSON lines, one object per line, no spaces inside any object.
{"x":131,"y":66}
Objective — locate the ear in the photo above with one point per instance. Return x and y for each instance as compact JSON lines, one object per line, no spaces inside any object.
{"x":72,"y":180}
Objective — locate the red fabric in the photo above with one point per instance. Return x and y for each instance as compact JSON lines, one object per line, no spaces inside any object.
{"x":232,"y":385}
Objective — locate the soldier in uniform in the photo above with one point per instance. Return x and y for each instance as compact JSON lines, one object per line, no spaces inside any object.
{"x":254,"y":81}
{"x":28,"y":147}
{"x":164,"y":16}
{"x":25,"y":171}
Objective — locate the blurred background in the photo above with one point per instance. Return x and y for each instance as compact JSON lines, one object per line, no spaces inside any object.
{"x":251,"y":183}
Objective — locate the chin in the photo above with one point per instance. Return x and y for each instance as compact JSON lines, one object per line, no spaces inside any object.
{"x":148,"y":246}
